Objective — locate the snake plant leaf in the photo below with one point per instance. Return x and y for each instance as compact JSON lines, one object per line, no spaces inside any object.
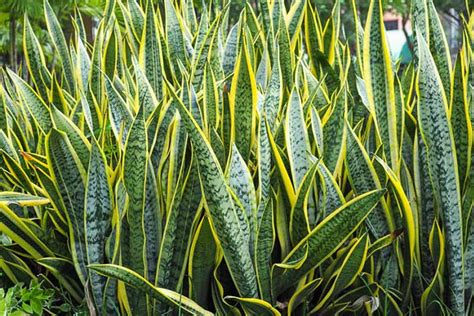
{"x":439,"y":47}
{"x":152,"y":222}
{"x":281,"y":167}
{"x":350,"y":268}
{"x":264,"y":167}
{"x":295,"y":18}
{"x":408,"y":224}
{"x":70,"y":175}
{"x":3,"y":110}
{"x":119,"y":114}
{"x":201,"y":263}
{"x":419,"y":12}
{"x":460,"y":122}
{"x":312,"y":34}
{"x":177,"y":234}
{"x":426,"y":202}
{"x":171,"y":298}
{"x":22,"y":199}
{"x":230,"y":156}
{"x":438,"y":137}
{"x":59,"y":267}
{"x":265,"y":240}
{"x":59,"y":42}
{"x":241,"y":183}
{"x":243,"y":102}
{"x":301,"y":295}
{"x":265,"y":6}
{"x":223,"y":216}
{"x":284,"y":49}
{"x":207,"y":54}
{"x":254,"y":306}
{"x":210,"y":99}
{"x":218,"y":147}
{"x":137,"y":17}
{"x":339,"y":225}
{"x":97,"y":217}
{"x":274,"y":92}
{"x":83,"y":64}
{"x":299,"y":218}
{"x":317,"y":129}
{"x":146,"y":97}
{"x":34,"y":58}
{"x":434,"y":289}
{"x":95,"y":91}
{"x":78,"y":141}
{"x":174,"y":36}
{"x":16,"y":229}
{"x":150,"y":55}
{"x":379,"y":82}
{"x":334,"y":133}
{"x":231,"y":49}
{"x":134,"y":177}
{"x":297,"y":141}
{"x":332,"y":197}
{"x":7,"y":146}
{"x":363,"y":177}
{"x":35,"y":105}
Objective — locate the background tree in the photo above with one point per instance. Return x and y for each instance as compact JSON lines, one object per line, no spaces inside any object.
{"x":11,"y":21}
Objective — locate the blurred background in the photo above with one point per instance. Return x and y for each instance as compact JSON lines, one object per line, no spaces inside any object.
{"x":396,"y":18}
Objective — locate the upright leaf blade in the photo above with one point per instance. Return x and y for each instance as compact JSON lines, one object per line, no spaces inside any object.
{"x":438,"y":136}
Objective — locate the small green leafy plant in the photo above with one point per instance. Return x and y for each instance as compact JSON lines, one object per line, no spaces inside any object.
{"x":19,"y":300}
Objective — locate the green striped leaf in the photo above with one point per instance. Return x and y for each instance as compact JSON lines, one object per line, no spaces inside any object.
{"x":150,"y":54}
{"x":438,"y":137}
{"x":317,"y":246}
{"x":334,"y":133}
{"x":243,"y":102}
{"x":284,"y":50}
{"x":202,"y":256}
{"x":35,"y":58}
{"x":299,"y":218}
{"x":210,"y":99}
{"x":22,"y":199}
{"x":171,"y":298}
{"x":297,"y":141}
{"x":134,"y":177}
{"x":119,"y":114}
{"x":224,"y":218}
{"x":241,"y":183}
{"x":332,"y":197}
{"x":460,"y":122}
{"x":175,"y":37}
{"x":78,"y":141}
{"x":363,"y":177}
{"x":97,"y":218}
{"x":274,"y":93}
{"x":35,"y":105}
{"x":60,"y":44}
{"x":177,"y":233}
{"x":17,"y":230}
{"x":350,"y":268}
{"x":254,"y":306}
{"x":263,"y":250}
{"x":379,"y":82}
{"x":70,"y":176}
{"x":439,"y":47}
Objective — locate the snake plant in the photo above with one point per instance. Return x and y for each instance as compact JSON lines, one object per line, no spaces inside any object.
{"x":183,"y":162}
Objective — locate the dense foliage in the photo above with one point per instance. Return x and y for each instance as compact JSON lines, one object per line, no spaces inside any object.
{"x":184,"y":164}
